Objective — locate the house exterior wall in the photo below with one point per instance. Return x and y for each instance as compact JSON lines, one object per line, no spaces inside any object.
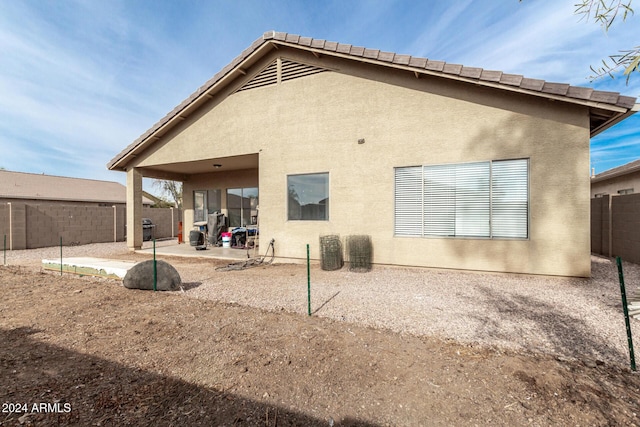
{"x":613,"y":185}
{"x":312,"y":125}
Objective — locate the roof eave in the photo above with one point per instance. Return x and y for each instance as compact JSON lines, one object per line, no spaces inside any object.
{"x":606,"y":175}
{"x":441,"y":74}
{"x":615,"y":120}
{"x":614,"y":175}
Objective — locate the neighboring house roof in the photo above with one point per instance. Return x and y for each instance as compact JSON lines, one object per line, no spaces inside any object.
{"x":21,"y":185}
{"x":157,"y":200}
{"x":605,"y":108}
{"x":618,"y":171}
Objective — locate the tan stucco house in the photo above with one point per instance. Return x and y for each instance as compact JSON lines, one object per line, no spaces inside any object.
{"x":442,"y":165}
{"x":620,"y":180}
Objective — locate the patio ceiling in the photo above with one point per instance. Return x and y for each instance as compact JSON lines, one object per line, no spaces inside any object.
{"x":180,"y":171}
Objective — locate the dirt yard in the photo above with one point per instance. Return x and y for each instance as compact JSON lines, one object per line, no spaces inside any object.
{"x":86,"y":351}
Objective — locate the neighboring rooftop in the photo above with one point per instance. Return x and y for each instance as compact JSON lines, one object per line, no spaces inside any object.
{"x":627,"y":168}
{"x":605,"y":108}
{"x":21,"y":185}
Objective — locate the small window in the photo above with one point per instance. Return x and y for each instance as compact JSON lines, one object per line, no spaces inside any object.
{"x":199,"y":206}
{"x":597,"y":195}
{"x":205,"y":202}
{"x":626,"y":191}
{"x":308,"y":197}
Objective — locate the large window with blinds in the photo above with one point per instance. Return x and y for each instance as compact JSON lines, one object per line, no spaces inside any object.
{"x":475,"y":200}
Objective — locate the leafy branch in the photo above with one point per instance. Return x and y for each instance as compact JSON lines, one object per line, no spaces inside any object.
{"x":605,"y":13}
{"x":627,"y":59}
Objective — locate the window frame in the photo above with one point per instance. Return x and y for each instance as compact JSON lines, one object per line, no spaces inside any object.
{"x":245,"y":212}
{"x":209,"y":197}
{"x":410,"y":205}
{"x":199,"y":195}
{"x":327,"y":198}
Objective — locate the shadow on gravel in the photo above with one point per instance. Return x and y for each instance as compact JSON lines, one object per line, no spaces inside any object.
{"x":84,"y":390}
{"x":325,"y":303}
{"x":190,"y":285}
{"x":569,"y":336}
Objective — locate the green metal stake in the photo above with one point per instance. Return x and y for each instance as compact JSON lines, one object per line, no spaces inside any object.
{"x":155,"y":268}
{"x":61,"y":255}
{"x":625,"y":309}
{"x":308,"y":283}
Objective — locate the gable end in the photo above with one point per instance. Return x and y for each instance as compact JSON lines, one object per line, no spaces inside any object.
{"x":267,"y":77}
{"x":289,"y":70}
{"x":293,"y":70}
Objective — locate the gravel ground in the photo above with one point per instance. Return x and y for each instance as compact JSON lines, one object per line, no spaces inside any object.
{"x":568,"y":317}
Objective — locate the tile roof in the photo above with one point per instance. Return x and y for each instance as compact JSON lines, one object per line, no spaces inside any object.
{"x":21,"y":185}
{"x":595,"y":98}
{"x":472,"y":73}
{"x":630,"y":167}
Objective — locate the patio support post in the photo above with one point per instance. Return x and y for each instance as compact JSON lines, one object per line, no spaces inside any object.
{"x":134,"y":209}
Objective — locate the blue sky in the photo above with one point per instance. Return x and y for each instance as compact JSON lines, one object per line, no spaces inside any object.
{"x":80,"y":80}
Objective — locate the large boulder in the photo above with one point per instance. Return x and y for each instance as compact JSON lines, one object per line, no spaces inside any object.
{"x":140,"y":276}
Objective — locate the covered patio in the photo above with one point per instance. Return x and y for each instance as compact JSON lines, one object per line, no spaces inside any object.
{"x":211,"y":185}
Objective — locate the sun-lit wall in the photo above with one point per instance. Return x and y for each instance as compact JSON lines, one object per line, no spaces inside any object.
{"x":313,"y":124}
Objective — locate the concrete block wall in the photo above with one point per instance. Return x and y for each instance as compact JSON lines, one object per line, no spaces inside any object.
{"x":600,"y":225}
{"x":17,"y":235}
{"x":625,"y":227}
{"x":12,"y":225}
{"x":162,"y":219}
{"x":42,"y":225}
{"x":615,"y":226}
{"x":77,"y":225}
{"x":4,"y":223}
{"x":121,"y":221}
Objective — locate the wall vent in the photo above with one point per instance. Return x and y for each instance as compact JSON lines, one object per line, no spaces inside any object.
{"x":266,"y":77}
{"x":290,"y":70}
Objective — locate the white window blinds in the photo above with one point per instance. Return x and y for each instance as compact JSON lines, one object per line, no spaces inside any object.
{"x":408,"y":201}
{"x":510,"y":198}
{"x":483,"y":199}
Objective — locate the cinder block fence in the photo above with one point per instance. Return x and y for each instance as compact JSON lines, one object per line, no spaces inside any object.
{"x":29,"y":226}
{"x":615,"y":226}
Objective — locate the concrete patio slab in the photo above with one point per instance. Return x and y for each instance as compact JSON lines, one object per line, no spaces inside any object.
{"x":172,"y":248}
